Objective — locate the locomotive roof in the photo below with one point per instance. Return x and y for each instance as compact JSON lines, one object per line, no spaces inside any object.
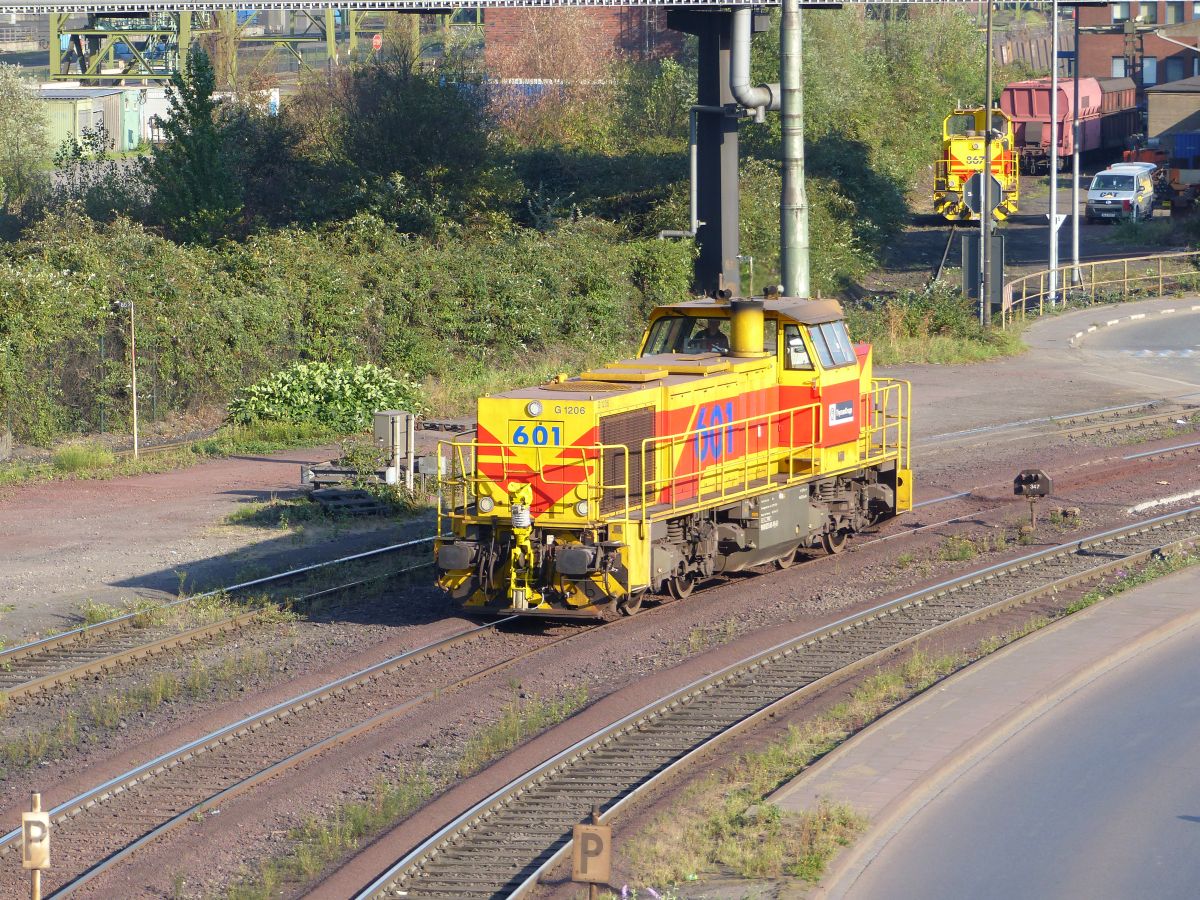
{"x":806,"y":312}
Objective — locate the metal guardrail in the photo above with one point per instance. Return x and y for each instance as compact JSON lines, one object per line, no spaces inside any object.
{"x":1099,"y":281}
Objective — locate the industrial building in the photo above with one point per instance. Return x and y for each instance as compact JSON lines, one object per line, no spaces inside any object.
{"x":1141,"y":41}
{"x":121,"y":112}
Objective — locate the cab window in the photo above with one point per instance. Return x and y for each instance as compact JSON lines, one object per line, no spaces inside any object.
{"x":823,"y":354}
{"x":688,"y":334}
{"x":838,"y":342}
{"x":770,"y":337}
{"x":664,"y":335}
{"x":795,"y":356}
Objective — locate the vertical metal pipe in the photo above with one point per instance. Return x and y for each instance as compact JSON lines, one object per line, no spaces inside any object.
{"x":693,"y":165}
{"x":133,"y":373}
{"x":1076,"y":277}
{"x":1054,"y":154}
{"x":985,"y":185}
{"x":793,"y":206}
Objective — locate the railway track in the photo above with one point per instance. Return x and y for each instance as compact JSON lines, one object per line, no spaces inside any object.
{"x":43,"y":664}
{"x":1089,"y":422}
{"x":502,"y":845}
{"x":102,"y":826}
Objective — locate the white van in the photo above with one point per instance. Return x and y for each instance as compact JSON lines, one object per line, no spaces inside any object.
{"x":1124,"y":191}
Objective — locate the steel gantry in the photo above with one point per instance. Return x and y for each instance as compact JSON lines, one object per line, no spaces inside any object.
{"x":150,"y":44}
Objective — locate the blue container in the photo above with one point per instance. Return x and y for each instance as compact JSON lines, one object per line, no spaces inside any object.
{"x":1187,"y":146}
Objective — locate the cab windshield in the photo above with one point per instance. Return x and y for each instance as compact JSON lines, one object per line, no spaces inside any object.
{"x":688,"y":334}
{"x":1112,"y":183}
{"x":701,"y":334}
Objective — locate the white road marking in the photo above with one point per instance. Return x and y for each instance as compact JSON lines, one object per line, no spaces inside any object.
{"x":1161,"y":501}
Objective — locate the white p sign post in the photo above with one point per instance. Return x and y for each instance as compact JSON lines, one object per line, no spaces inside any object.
{"x":35,"y":844}
{"x":591,"y":854}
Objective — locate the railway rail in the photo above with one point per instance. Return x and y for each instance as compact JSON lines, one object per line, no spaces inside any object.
{"x":1089,"y":422}
{"x":500,"y":847}
{"x":39,"y":665}
{"x":100,"y":827}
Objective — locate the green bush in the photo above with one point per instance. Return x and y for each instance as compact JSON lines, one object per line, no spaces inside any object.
{"x":934,"y":325}
{"x":339,"y":398}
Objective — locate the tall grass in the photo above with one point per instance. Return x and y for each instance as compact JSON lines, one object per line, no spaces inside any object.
{"x":83,"y":457}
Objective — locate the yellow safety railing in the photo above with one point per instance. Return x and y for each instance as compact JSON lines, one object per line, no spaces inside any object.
{"x":730,"y":460}
{"x":1099,"y":281}
{"x":459,"y":487}
{"x":948,"y":177}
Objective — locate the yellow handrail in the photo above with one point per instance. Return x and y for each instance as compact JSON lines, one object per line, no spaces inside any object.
{"x":1024,"y":295}
{"x":785,"y":443}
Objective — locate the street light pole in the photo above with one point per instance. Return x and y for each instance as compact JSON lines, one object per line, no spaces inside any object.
{"x":985,"y":185}
{"x":133,"y":375}
{"x":1075,"y":273}
{"x":1053,"y":293}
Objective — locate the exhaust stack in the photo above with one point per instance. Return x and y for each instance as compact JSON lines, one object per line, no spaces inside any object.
{"x":746,"y":325}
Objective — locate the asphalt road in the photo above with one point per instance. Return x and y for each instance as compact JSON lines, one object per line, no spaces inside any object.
{"x":1100,"y":799}
{"x":1166,"y":346}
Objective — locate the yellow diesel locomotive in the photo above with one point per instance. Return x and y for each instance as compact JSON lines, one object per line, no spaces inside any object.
{"x":962,"y":156}
{"x":744,"y":432}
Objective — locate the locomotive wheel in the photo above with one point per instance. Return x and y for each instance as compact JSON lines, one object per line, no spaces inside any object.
{"x":788,"y":559}
{"x":631,"y":604}
{"x":680,"y":587}
{"x":835,"y":541}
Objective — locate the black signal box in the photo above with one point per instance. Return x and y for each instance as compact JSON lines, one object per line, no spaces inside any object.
{"x":1032,"y":483}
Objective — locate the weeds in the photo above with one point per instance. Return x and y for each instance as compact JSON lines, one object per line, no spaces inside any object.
{"x":958,"y":549}
{"x":1155,"y":568}
{"x":701,"y":638}
{"x":519,"y":719}
{"x":146,"y":612}
{"x":720,"y":822}
{"x":318,"y":843}
{"x":94,"y":613}
{"x":96,"y":461}
{"x":33,"y":746}
{"x":281,"y":514}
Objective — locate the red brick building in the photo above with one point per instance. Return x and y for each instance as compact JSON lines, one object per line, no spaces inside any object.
{"x":629,"y":31}
{"x":1118,"y":41}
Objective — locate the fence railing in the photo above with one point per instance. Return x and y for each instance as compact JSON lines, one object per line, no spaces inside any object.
{"x":1100,"y":281}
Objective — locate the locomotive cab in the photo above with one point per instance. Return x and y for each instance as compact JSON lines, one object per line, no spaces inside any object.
{"x":743,"y":433}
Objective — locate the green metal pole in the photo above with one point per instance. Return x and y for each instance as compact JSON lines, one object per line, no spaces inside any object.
{"x":793,"y":207}
{"x":56,"y":22}
{"x":185,"y":42}
{"x":330,"y":36}
{"x":355,"y":22}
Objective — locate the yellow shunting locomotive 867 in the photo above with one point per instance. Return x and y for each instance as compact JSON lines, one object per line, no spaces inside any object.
{"x":744,"y":432}
{"x":963,"y":150}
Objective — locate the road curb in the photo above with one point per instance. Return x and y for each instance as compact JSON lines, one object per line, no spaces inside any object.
{"x":1077,"y":338}
{"x":846,"y":867}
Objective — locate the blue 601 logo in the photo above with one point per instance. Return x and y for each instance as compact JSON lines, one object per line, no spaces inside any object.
{"x":712,"y":440}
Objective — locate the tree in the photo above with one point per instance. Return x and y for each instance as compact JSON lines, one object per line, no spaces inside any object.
{"x":24,"y":140}
{"x":566,"y":61}
{"x":196,"y":196}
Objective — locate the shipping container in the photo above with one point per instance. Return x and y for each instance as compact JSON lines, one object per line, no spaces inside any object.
{"x":1186,"y":149}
